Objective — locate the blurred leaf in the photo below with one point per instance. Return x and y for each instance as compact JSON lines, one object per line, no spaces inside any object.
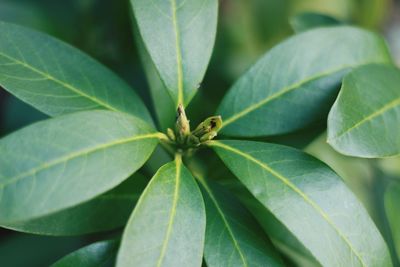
{"x":342,"y":9}
{"x":62,"y":162}
{"x":17,"y":114}
{"x":257,"y":105}
{"x":231,"y":230}
{"x":366,"y":13}
{"x":390,"y":166}
{"x":27,"y":14}
{"x":94,"y":255}
{"x":168,"y":224}
{"x":58,"y":79}
{"x":307,"y":21}
{"x":371,"y":13}
{"x":179,"y":37}
{"x":392,"y":201}
{"x":38,"y":251}
{"x":105,"y":212}
{"x":309,"y":199}
{"x":362,"y":122}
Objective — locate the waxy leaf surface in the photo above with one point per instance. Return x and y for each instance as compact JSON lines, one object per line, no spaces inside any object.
{"x":58,"y":79}
{"x":59,"y":163}
{"x":94,"y":255}
{"x":365,"y":119}
{"x":179,"y":37}
{"x":231,"y":230}
{"x":310,"y":200}
{"x":106,"y":212}
{"x":295,"y":83}
{"x":167,"y":226}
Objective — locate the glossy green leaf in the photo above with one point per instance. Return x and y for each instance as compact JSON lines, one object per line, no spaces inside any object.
{"x":392,"y":207}
{"x":94,"y":255}
{"x":294,"y":84}
{"x":179,"y":36}
{"x":310,"y":200}
{"x":57,"y":78}
{"x":106,"y":212}
{"x":59,"y":163}
{"x":231,"y":230}
{"x":364,"y":121}
{"x":168,"y":224}
{"x":308,"y":20}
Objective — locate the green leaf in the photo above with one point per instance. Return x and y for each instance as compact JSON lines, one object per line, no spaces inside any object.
{"x":392,"y":200}
{"x":168,"y":224}
{"x":294,"y":84}
{"x":310,"y":200}
{"x":280,"y":236}
{"x":58,"y":79}
{"x":97,"y":254}
{"x":231,"y":230}
{"x":163,"y":104}
{"x":308,"y":20}
{"x":179,"y":36}
{"x":59,"y":163}
{"x":364,"y":121}
{"x":106,"y":212}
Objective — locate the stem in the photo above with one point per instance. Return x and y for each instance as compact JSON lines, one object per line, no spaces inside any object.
{"x":178,"y":157}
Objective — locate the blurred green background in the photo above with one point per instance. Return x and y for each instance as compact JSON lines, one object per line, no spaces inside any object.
{"x":246,"y":30}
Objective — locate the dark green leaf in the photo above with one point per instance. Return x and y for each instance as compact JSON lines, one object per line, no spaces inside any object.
{"x":37,"y":250}
{"x":26,"y":13}
{"x":94,"y":255}
{"x":179,"y":36}
{"x":364,"y":121}
{"x":57,"y":78}
{"x":105,"y":212}
{"x":168,"y":224}
{"x":294,"y":84}
{"x":17,"y":114}
{"x":59,"y":163}
{"x":232,"y":231}
{"x":310,"y":200}
{"x":392,"y":207}
{"x":307,"y":21}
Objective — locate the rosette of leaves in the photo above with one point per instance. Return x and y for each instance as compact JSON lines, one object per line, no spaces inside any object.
{"x":68,"y":175}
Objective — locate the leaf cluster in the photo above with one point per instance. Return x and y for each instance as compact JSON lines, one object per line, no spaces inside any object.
{"x":79,"y":171}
